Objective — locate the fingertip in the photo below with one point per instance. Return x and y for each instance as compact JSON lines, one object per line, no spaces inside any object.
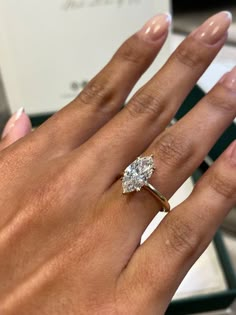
{"x":17,"y":126}
{"x":22,"y":127}
{"x":156,"y":28}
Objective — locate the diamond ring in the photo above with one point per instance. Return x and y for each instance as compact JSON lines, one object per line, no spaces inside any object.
{"x":136,"y":176}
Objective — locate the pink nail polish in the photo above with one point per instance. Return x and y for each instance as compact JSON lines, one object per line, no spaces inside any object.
{"x":11,"y":122}
{"x":214,"y":29}
{"x":229,"y":80}
{"x":156,"y":27}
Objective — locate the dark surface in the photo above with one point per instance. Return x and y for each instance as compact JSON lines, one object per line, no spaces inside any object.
{"x":186,"y":5}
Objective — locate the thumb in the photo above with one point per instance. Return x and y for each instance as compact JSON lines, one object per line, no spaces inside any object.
{"x":17,"y":127}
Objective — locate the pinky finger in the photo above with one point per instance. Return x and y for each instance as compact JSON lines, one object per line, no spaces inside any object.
{"x":18,"y":126}
{"x":164,"y":259}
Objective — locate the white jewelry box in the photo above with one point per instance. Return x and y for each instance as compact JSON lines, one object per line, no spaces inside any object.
{"x":50,"y":49}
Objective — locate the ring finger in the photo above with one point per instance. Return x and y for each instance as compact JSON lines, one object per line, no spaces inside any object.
{"x":177,"y":155}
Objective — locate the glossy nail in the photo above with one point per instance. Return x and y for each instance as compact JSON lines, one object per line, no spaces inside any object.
{"x":12,"y":121}
{"x":156,"y":27}
{"x":229,"y":79}
{"x":214,"y":29}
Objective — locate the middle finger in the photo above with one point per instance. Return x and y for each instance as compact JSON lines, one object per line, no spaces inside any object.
{"x":150,"y":110}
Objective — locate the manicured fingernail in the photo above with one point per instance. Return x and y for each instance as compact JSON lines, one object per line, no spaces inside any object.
{"x":156,"y":27}
{"x":213,"y":29}
{"x":11,"y":122}
{"x":229,"y":79}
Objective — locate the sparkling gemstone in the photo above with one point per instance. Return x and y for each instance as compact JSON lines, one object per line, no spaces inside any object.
{"x":137,"y":174}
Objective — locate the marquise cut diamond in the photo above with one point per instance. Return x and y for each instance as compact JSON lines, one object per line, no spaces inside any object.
{"x":137,"y":174}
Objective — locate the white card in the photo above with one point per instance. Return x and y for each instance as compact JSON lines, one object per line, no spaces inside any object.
{"x":50,"y":48}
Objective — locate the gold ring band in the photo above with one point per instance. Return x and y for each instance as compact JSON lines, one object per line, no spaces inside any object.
{"x":162,"y":199}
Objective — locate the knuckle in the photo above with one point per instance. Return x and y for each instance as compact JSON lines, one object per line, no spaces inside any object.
{"x":129,"y":52}
{"x":189,"y":55}
{"x":222,"y":101}
{"x":181,"y":238}
{"x":173,"y":149}
{"x":98,"y":93}
{"x":222,"y":185}
{"x":146,"y":102}
{"x":91,"y":91}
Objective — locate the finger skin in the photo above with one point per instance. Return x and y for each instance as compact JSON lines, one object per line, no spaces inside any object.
{"x":151,"y":109}
{"x":105,"y":94}
{"x":177,"y":155}
{"x":183,"y":235}
{"x":139,"y":209}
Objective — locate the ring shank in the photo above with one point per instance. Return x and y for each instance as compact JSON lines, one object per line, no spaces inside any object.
{"x":164,"y":202}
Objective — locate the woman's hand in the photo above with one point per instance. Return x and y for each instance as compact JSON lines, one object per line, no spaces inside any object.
{"x":69,"y":238}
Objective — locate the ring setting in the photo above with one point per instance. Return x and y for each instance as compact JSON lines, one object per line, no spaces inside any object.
{"x":136,"y":176}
